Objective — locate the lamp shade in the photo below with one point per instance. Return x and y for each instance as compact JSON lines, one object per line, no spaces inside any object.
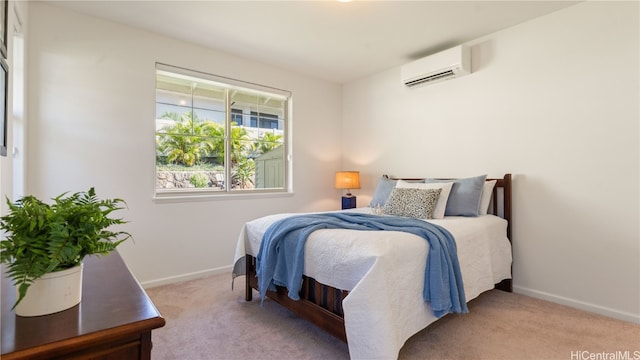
{"x":347,"y":180}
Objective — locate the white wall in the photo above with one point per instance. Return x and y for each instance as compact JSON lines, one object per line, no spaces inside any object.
{"x":91,"y":123}
{"x":555,"y":101}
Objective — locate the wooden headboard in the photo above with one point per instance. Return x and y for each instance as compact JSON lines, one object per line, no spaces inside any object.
{"x":502,"y":186}
{"x":500,"y":200}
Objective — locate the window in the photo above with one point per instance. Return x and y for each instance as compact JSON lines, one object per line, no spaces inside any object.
{"x":264,"y":121}
{"x":216,"y":135}
{"x":236,"y":116}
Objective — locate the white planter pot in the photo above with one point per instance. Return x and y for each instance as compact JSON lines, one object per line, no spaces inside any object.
{"x":52,"y":293}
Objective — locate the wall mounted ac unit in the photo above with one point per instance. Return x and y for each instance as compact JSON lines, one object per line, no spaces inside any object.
{"x":444,"y":65}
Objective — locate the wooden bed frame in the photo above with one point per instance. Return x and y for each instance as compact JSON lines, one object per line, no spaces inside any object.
{"x":322,"y":305}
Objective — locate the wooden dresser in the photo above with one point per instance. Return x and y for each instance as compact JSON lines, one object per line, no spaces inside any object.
{"x":113,"y":321}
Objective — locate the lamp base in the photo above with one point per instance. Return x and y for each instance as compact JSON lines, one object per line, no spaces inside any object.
{"x":348,"y":202}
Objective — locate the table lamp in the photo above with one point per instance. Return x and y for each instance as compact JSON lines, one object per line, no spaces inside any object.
{"x":348,"y":180}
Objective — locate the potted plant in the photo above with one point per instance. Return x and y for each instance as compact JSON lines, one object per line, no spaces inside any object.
{"x":46,"y":241}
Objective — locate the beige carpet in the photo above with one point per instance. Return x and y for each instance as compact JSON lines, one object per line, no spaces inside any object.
{"x":206,"y":320}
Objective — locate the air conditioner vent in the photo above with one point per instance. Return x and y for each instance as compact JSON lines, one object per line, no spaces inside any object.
{"x":434,"y":77}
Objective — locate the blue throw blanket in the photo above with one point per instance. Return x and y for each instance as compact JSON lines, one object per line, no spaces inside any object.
{"x":280,"y":260}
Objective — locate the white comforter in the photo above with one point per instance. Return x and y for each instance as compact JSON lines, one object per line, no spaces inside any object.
{"x":384,"y":272}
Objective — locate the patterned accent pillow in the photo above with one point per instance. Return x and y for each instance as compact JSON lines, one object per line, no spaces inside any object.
{"x":441,"y":206}
{"x":415,"y":203}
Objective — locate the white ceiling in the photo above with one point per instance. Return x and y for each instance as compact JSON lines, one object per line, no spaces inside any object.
{"x":332,"y":40}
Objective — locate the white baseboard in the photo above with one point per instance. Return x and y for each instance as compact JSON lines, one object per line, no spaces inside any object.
{"x":597,"y":309}
{"x":186,"y":277}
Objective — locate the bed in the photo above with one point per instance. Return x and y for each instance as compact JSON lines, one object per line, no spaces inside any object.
{"x":365,"y":287}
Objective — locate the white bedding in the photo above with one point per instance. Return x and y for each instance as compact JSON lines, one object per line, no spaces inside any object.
{"x":384,"y":272}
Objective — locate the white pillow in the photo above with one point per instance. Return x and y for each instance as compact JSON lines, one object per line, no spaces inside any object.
{"x":438,"y":212}
{"x":487,"y":191}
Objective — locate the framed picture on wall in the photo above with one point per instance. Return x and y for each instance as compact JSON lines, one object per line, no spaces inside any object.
{"x":4,"y":76}
{"x":4,"y":6}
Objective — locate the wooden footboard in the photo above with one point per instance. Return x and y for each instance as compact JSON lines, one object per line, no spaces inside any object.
{"x":322,"y":305}
{"x":319,"y":304}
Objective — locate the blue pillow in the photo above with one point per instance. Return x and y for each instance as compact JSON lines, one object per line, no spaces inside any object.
{"x":383,"y":190}
{"x":464,"y":198}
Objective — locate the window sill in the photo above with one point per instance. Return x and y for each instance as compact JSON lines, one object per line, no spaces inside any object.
{"x":189,"y":196}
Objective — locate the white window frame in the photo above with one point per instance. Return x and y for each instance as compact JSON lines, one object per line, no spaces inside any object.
{"x":228,"y":192}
